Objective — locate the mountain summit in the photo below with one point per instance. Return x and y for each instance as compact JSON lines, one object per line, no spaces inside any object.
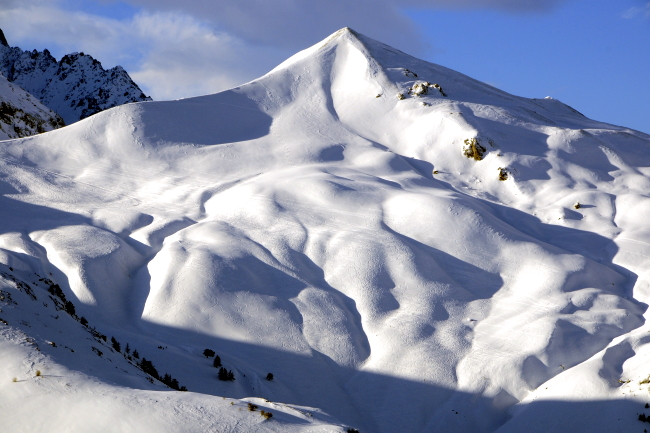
{"x":75,"y":87}
{"x":3,"y":40}
{"x":379,"y":242}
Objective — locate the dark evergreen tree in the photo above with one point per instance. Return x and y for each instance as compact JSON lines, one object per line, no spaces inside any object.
{"x":147,"y":367}
{"x":174,"y":384}
{"x":223,"y":374}
{"x":217,"y":362}
{"x":208,"y":353}
{"x":127,"y":349}
{"x":69,"y":308}
{"x":231,"y":376}
{"x":136,"y":355}
{"x":269,"y":376}
{"x":83,"y":321}
{"x":116,"y":344}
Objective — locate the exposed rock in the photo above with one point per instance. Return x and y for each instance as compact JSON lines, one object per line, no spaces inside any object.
{"x":75,"y":87}
{"x":473,"y":149}
{"x":21,"y":114}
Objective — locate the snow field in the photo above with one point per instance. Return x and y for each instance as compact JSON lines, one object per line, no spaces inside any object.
{"x":296,"y":225}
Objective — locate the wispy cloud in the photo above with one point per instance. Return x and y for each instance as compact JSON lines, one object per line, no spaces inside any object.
{"x":170,"y":55}
{"x":636,"y":12}
{"x":297,"y":23}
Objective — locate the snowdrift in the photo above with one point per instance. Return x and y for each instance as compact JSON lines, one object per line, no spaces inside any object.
{"x":401,"y":246}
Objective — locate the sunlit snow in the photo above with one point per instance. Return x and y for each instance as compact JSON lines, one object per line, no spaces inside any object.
{"x":312,"y":225}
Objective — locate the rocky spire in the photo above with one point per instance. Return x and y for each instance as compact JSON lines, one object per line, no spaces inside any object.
{"x":3,"y":40}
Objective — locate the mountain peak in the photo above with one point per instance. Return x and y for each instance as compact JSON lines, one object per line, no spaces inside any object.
{"x":361,"y":223}
{"x":3,"y":40}
{"x":346,"y":33}
{"x":75,"y":87}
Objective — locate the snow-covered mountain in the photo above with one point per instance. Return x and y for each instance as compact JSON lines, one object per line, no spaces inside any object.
{"x":21,"y":114}
{"x":75,"y":87}
{"x":402,"y":247}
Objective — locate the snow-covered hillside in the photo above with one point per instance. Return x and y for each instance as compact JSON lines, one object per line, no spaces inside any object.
{"x":75,"y":87}
{"x":400,"y":246}
{"x":21,"y":114}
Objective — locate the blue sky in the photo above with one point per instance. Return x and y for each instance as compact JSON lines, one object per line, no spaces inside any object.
{"x":591,"y":54}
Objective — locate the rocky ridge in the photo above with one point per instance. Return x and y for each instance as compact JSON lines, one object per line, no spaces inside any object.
{"x":21,"y":114}
{"x":75,"y":87}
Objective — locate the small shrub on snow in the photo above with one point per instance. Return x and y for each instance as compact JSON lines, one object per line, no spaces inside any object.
{"x":269,"y":376}
{"x":38,"y":373}
{"x":473,"y":149}
{"x":266,"y":415}
{"x":252,"y":407}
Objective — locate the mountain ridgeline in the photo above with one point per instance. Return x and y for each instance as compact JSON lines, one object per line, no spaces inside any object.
{"x":381,"y":243}
{"x":75,"y":87}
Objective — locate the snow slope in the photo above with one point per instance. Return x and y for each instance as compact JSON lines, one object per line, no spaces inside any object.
{"x":402,"y":256}
{"x":21,"y":114}
{"x":75,"y":87}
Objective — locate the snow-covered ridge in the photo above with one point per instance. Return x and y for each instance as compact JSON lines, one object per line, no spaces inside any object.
{"x":401,"y":246}
{"x":75,"y":87}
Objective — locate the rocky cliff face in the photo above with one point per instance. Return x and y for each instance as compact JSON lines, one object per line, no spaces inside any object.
{"x":21,"y":114}
{"x":75,"y":87}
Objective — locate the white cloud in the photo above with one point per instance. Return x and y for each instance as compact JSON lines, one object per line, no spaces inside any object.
{"x":299,"y":23}
{"x":642,"y":11}
{"x":170,"y":55}
{"x":296,"y":24}
{"x":189,"y":58}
